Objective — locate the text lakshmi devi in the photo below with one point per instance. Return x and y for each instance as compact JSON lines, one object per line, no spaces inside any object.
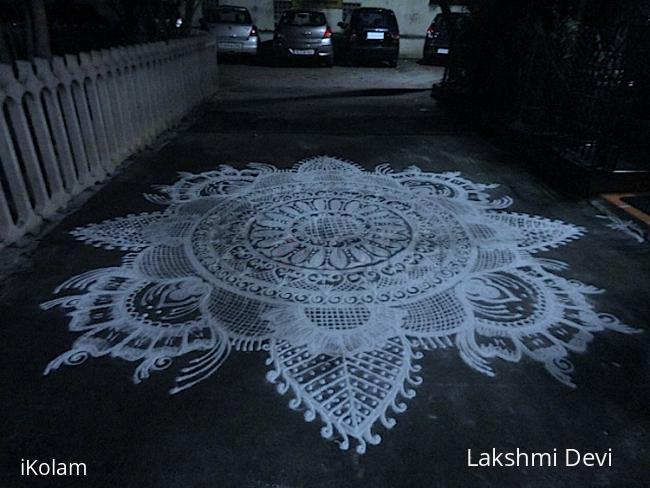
{"x":567,"y":458}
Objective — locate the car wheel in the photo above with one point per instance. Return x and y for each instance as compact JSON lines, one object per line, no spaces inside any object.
{"x":393,"y":63}
{"x":329,"y":62}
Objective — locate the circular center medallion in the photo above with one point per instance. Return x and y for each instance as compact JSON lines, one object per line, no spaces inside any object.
{"x":329,"y":230}
{"x":336,"y":247}
{"x":329,"y":234}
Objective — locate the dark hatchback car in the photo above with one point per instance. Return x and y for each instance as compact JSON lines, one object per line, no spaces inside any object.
{"x":436,"y":43}
{"x":371,"y":35}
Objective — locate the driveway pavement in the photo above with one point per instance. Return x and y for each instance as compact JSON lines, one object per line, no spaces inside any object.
{"x":493,"y":369}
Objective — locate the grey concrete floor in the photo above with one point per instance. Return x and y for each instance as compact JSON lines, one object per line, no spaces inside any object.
{"x":234,"y":429}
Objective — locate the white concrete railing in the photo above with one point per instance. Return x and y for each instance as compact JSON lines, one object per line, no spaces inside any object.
{"x":66,"y":124}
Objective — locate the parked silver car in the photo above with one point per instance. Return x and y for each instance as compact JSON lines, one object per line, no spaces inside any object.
{"x":303,"y":34}
{"x":233,"y":29}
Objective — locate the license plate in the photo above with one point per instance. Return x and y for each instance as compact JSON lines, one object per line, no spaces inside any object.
{"x":229,"y":45}
{"x":307,"y":52}
{"x":375,"y":35}
{"x":443,"y":50}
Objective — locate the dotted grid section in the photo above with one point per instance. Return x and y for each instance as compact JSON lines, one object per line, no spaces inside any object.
{"x":338,"y":318}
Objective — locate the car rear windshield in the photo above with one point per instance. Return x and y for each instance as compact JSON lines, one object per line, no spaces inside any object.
{"x":380,"y":19}
{"x":307,"y":19}
{"x":229,"y":16}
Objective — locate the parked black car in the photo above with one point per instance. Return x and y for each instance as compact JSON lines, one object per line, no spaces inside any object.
{"x":371,"y":34}
{"x":436,"y":43}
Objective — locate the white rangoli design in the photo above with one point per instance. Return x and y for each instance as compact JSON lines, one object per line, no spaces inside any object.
{"x":343,"y":276}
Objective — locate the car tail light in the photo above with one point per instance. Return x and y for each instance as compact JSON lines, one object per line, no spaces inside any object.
{"x":431,"y":31}
{"x":328,"y":33}
{"x":253,"y":32}
{"x":395,"y":35}
{"x":353,"y":37}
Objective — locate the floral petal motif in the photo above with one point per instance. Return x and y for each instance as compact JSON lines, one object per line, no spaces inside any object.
{"x":530,"y":312}
{"x":124,"y":233}
{"x":223,"y":182}
{"x":534,"y":233}
{"x":349,"y":392}
{"x":123,"y":315}
{"x":327,"y":164}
